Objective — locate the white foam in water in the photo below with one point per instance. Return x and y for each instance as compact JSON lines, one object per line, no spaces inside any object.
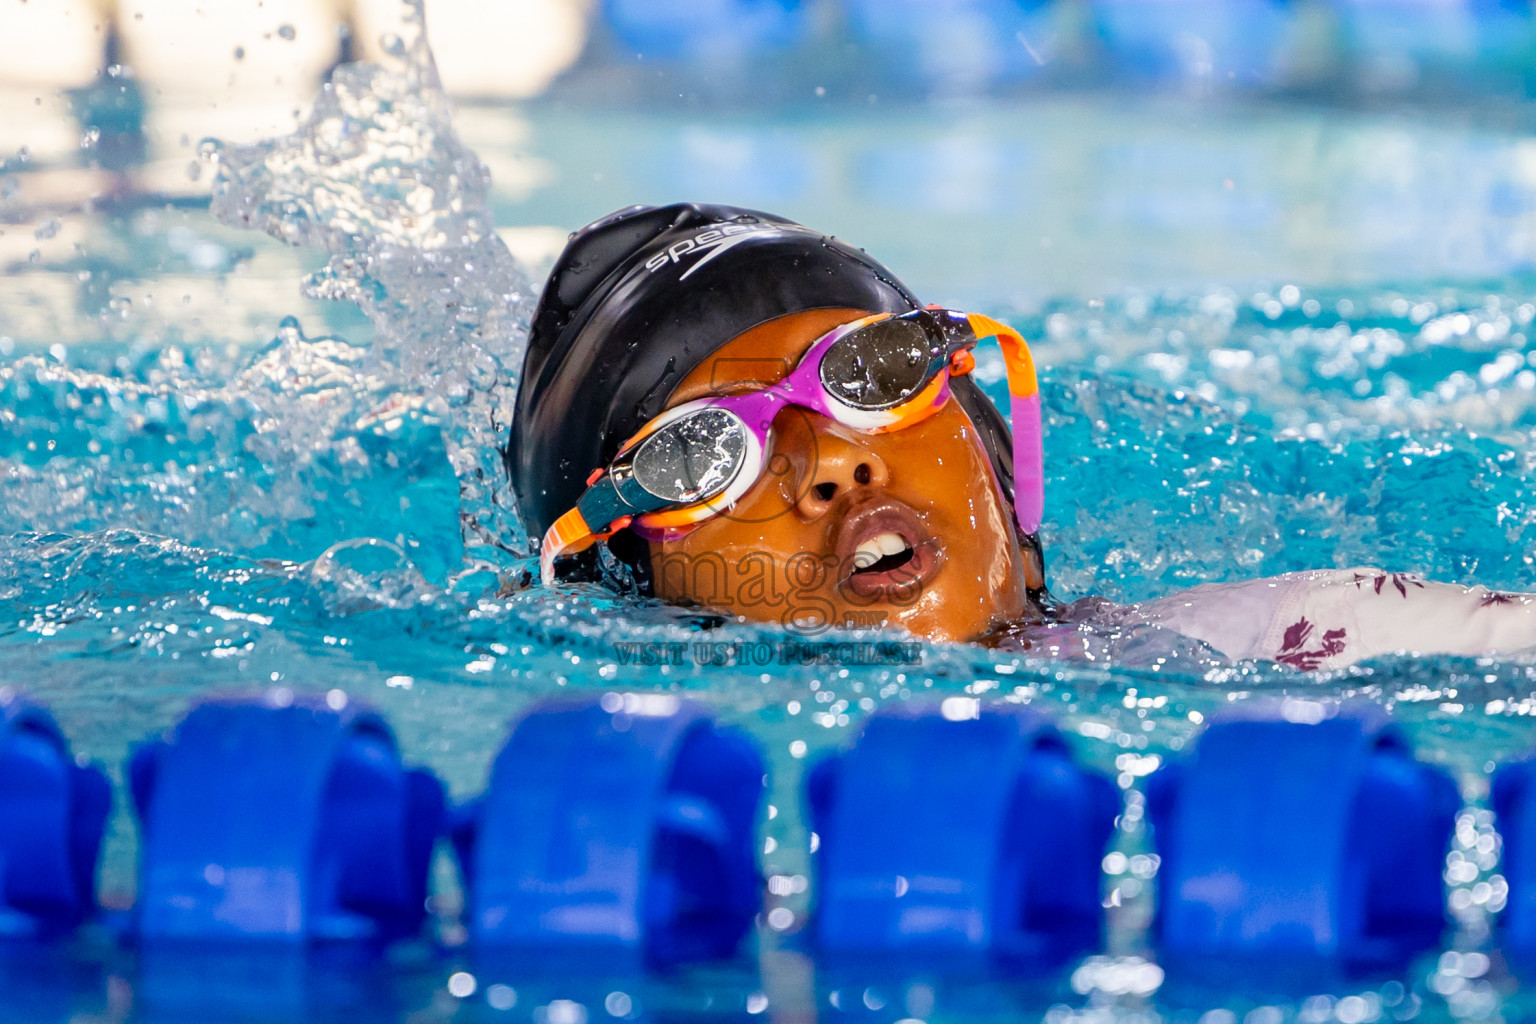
{"x":377,"y":178}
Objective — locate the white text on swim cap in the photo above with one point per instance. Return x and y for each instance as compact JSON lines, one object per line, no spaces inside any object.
{"x":711,"y":243}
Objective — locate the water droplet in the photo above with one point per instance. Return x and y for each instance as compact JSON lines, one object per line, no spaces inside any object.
{"x":239,"y":53}
{"x":392,"y":44}
{"x":194,"y":170}
{"x":49,"y":228}
{"x":286,"y":32}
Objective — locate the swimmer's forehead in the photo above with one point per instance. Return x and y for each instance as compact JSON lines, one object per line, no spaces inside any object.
{"x":762,"y":356}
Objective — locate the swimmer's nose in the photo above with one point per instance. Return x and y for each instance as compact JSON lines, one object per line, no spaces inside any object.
{"x":840,"y":466}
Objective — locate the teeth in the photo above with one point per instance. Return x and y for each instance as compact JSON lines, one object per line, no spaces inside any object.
{"x":873,"y":549}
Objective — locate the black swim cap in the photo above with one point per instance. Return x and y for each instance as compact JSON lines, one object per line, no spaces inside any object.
{"x":641,"y":297}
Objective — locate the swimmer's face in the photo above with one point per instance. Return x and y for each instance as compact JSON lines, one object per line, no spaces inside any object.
{"x":847,"y":528}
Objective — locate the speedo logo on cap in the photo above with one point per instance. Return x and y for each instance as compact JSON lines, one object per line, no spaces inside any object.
{"x":706,"y":245}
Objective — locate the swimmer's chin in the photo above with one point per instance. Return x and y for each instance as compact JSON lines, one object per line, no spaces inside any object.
{"x":921,"y":623}
{"x":933,"y":619}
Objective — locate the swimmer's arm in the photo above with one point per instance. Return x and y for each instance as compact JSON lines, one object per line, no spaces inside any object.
{"x":1401,"y":612}
{"x":1332,"y":618}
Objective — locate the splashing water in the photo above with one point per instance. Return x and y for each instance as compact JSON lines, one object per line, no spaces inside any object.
{"x":377,"y":178}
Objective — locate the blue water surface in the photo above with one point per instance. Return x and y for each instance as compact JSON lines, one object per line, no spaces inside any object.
{"x":1271,"y":339}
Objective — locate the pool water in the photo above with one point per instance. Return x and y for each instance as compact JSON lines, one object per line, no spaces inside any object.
{"x":1271,"y":338}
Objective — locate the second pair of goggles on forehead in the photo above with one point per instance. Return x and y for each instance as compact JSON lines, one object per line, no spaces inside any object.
{"x":877,"y":374}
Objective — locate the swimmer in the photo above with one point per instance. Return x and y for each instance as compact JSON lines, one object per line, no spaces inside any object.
{"x":749,"y":416}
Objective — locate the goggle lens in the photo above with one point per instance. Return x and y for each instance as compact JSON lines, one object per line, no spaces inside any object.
{"x":880,"y":365}
{"x":693,"y":458}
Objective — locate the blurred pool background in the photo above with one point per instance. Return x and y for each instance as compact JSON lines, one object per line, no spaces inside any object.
{"x":1126,"y":142}
{"x":1276,"y":257}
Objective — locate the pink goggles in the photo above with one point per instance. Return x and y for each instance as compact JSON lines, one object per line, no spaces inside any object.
{"x":876,"y":374}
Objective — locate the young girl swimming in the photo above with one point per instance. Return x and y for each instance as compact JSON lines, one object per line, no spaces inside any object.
{"x":760,"y":419}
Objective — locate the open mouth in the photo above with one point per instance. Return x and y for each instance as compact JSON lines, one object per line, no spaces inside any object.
{"x":885,"y":551}
{"x":882,"y":553}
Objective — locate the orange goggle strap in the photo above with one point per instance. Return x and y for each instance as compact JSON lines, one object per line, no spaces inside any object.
{"x":568,"y":535}
{"x":1024,"y":411}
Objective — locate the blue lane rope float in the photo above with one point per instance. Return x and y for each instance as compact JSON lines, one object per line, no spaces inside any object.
{"x":1514,"y":807}
{"x":1289,"y":833}
{"x":52,"y":814}
{"x":294,"y":823}
{"x":977,"y":835}
{"x":627,"y":824}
